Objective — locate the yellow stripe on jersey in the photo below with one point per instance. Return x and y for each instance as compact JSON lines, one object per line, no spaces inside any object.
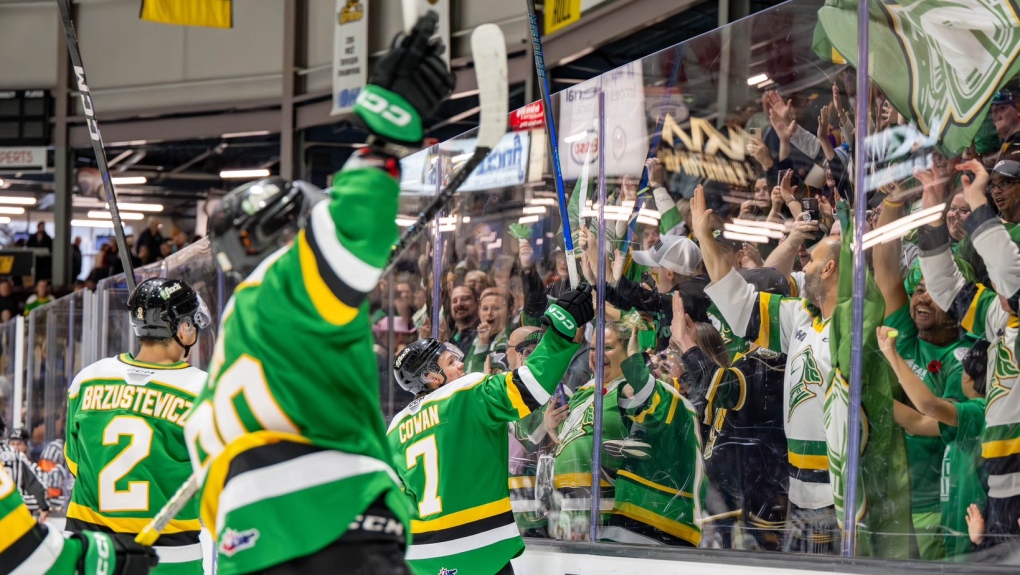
{"x":816,"y":462}
{"x":656,"y":400}
{"x":14,"y":526}
{"x":764,"y":320}
{"x":679,"y":530}
{"x":1001,"y":448}
{"x":462,"y":517}
{"x":325,"y":301}
{"x":126,"y":358}
{"x":218,"y":468}
{"x":72,"y":465}
{"x":576,"y":480}
{"x":672,"y":408}
{"x":652,"y":484}
{"x":515,"y":396}
{"x":128,"y":524}
{"x":521,"y":482}
{"x":968,"y":318}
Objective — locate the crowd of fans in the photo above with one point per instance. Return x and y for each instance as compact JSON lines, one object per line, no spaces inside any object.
{"x":737,"y":443}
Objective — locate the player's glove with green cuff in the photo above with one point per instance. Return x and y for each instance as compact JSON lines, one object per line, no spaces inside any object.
{"x":104,"y":555}
{"x":572,"y":310}
{"x":409,"y":83}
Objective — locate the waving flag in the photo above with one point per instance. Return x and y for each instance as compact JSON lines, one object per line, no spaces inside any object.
{"x":953,"y":56}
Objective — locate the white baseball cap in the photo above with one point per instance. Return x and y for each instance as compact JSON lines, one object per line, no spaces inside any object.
{"x":675,"y":253}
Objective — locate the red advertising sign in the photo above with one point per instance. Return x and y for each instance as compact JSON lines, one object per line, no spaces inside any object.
{"x":530,"y":116}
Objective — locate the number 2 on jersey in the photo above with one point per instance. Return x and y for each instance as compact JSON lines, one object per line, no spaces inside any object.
{"x":136,"y":496}
{"x":426,"y":449}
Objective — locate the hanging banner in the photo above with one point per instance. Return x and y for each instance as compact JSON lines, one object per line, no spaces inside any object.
{"x":626,"y":137}
{"x":560,"y":14}
{"x":23,"y":158}
{"x":350,"y":54}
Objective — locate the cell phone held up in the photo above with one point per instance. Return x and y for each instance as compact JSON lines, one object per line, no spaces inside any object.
{"x":809,"y":209}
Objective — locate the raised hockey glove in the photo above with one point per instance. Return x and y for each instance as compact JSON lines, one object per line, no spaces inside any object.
{"x":572,"y":310}
{"x":104,"y":555}
{"x":409,"y":83}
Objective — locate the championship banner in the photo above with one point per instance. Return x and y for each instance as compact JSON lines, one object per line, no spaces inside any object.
{"x":627,"y":132}
{"x":350,"y":54}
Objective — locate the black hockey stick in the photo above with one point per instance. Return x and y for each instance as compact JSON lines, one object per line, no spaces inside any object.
{"x":489,"y":51}
{"x":97,"y":140}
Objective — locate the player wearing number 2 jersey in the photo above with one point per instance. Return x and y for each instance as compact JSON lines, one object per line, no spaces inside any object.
{"x":451,"y":445}
{"x":125,"y":427}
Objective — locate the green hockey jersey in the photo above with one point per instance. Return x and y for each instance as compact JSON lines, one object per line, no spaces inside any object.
{"x":27,"y":547}
{"x":451,"y":449}
{"x":288,"y":436}
{"x":125,"y":445}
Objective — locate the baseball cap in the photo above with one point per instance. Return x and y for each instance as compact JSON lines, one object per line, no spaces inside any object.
{"x":675,"y":253}
{"x":1004,"y":96}
{"x":18,"y":434}
{"x":1008,"y":168}
{"x":721,"y":239}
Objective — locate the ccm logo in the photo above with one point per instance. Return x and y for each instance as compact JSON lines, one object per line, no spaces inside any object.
{"x":379,"y":105}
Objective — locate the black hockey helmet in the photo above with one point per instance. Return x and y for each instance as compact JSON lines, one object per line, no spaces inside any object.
{"x":257,"y":219}
{"x":418,"y":360}
{"x":159,"y":306}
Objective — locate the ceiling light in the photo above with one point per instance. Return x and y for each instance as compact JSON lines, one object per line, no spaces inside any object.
{"x":2,"y":183}
{"x":17,"y":200}
{"x":405,"y":221}
{"x":11,"y":211}
{"x":102,"y":215}
{"x":543,"y":201}
{"x":243,"y":174}
{"x":5,"y":220}
{"x":129,"y":180}
{"x":246,"y":134}
{"x":534,"y":209}
{"x":757,"y":79}
{"x":91,"y":224}
{"x":528,"y":220}
{"x":138,"y":207}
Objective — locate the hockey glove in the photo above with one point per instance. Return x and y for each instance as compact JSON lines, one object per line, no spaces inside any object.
{"x":102,"y":555}
{"x":410,"y":82}
{"x":572,"y":310}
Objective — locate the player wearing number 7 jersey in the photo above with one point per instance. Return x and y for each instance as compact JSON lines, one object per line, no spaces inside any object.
{"x":451,"y":445}
{"x":125,"y":427}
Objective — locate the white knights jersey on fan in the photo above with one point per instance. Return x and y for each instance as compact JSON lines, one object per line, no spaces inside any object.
{"x":796,"y":328}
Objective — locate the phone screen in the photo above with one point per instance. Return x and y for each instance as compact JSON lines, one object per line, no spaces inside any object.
{"x":810,"y":208}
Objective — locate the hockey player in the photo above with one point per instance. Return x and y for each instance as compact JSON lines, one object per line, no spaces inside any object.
{"x":125,"y":436}
{"x":26,"y":477}
{"x":30,"y":547}
{"x":290,"y":448}
{"x":451,"y":445}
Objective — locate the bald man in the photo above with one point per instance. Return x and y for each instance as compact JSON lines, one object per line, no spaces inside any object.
{"x":798,"y":327}
{"x":520,"y":346}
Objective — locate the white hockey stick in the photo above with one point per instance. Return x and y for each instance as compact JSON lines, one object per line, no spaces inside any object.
{"x":489,"y":50}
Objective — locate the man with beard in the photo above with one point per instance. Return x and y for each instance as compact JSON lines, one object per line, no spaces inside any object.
{"x":1006,"y":118}
{"x":464,"y":309}
{"x":930,"y":344}
{"x":798,"y":327}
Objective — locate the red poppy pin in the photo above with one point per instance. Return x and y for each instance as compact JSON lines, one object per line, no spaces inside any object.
{"x":934,"y":366}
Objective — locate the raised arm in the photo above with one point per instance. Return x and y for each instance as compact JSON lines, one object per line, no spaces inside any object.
{"x":886,"y":259}
{"x":991,"y":240}
{"x":923,"y":399}
{"x":783,"y":257}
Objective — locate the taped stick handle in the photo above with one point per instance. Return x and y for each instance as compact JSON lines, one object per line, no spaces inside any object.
{"x":184,"y":493}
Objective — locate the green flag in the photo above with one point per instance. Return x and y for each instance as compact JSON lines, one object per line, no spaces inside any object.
{"x":884,"y":524}
{"x":953,"y":56}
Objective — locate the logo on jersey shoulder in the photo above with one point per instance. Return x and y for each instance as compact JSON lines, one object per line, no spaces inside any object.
{"x":234,"y":541}
{"x":445,"y":571}
{"x":804,"y":372}
{"x":801,"y":334}
{"x":1005,"y":374}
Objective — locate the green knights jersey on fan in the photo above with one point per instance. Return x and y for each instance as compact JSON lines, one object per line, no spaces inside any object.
{"x":125,"y":445}
{"x":940,"y":370}
{"x":287,"y":437}
{"x":451,"y":450}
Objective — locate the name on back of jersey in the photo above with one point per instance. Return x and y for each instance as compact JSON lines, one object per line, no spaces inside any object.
{"x":144,"y":400}
{"x":419,"y":422}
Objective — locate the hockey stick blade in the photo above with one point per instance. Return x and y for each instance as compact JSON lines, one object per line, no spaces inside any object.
{"x":489,"y":51}
{"x":409,"y":8}
{"x":150,"y":533}
{"x":97,"y":141}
